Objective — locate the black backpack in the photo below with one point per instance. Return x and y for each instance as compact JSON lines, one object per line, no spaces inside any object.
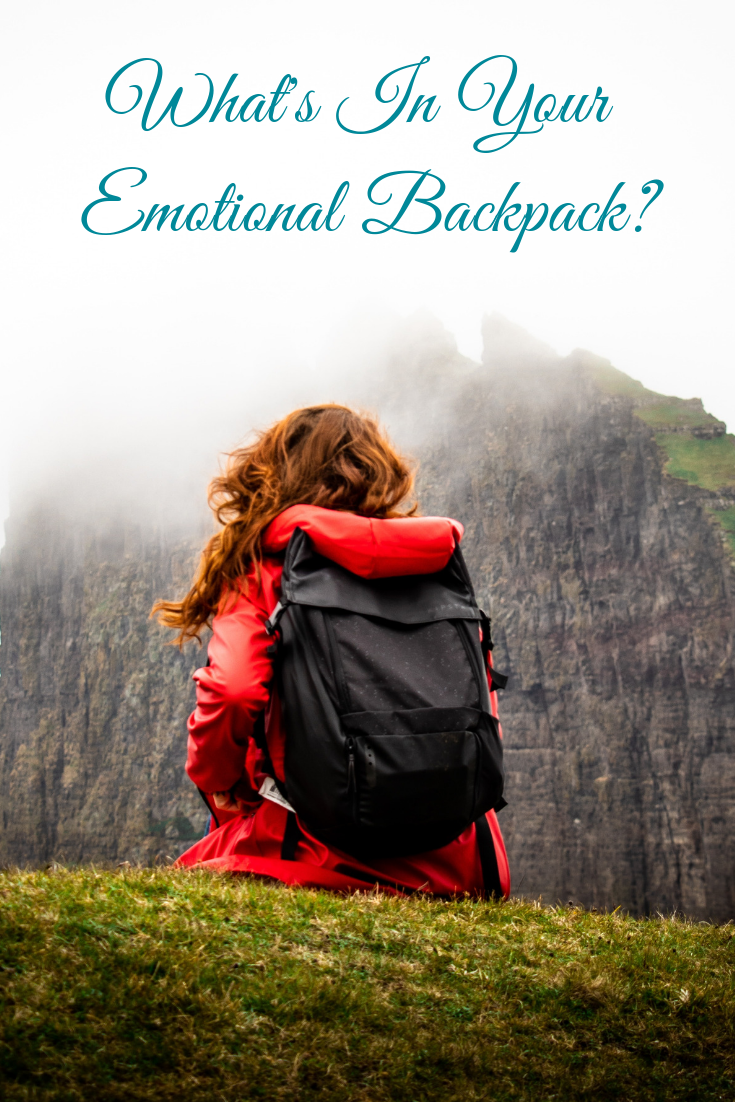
{"x":390,"y":745}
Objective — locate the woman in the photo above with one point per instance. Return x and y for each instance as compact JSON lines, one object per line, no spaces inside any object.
{"x":330,"y":472}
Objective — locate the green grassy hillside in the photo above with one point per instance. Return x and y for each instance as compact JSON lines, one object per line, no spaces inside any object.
{"x":707,"y":463}
{"x":697,"y":449}
{"x":150,"y":984}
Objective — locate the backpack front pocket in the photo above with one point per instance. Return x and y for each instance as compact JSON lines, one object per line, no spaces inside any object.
{"x":417,"y":776}
{"x":416,"y":780}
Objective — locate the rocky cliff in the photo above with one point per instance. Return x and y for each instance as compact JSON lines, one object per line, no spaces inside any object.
{"x":93,"y":705}
{"x":600,"y":522}
{"x":612,"y":590}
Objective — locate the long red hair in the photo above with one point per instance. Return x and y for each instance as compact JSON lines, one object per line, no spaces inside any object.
{"x":322,"y":455}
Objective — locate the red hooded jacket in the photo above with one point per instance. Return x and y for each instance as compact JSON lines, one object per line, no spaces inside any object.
{"x":237,"y":685}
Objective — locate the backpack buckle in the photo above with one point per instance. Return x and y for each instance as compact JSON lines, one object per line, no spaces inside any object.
{"x":271,"y":624}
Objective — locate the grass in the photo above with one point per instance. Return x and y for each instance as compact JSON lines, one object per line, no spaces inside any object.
{"x":155,"y":984}
{"x":615,"y":382}
{"x":673,"y":414}
{"x":706,"y":463}
{"x":662,"y":412}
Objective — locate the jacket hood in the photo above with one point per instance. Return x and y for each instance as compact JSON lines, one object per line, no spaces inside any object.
{"x":366,"y":546}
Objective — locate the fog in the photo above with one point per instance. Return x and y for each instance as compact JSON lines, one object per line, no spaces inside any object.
{"x":153,"y":464}
{"x":130,"y":361}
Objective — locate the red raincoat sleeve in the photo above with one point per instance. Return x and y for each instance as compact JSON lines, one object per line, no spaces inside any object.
{"x":369,"y":547}
{"x":231,"y":691}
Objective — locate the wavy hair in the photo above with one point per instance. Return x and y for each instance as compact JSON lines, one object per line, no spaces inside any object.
{"x":322,"y":455}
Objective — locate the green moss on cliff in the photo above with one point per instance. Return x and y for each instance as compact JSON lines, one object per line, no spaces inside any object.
{"x":685,"y":432}
{"x":727,"y":520}
{"x":677,"y":414}
{"x":612,"y":381}
{"x":179,"y":828}
{"x":662,"y":412}
{"x":706,"y":463}
{"x":163,"y":985}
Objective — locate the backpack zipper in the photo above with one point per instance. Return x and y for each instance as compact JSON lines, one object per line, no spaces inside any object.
{"x":351,"y":777}
{"x":473,"y":649}
{"x":340,"y":680}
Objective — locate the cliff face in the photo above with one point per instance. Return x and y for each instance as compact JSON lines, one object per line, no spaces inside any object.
{"x":93,"y":705}
{"x":611,"y":587}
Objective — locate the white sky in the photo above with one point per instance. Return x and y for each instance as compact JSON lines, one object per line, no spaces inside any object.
{"x":105,"y":335}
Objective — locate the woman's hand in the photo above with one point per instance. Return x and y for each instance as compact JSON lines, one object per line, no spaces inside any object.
{"x":224,"y":801}
{"x":236,"y":799}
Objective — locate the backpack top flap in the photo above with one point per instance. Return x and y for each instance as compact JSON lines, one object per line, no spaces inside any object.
{"x":311,"y":579}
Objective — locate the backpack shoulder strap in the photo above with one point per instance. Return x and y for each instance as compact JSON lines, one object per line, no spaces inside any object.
{"x":498,"y":680}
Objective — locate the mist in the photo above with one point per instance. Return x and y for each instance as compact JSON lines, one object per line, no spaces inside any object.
{"x":131,"y":363}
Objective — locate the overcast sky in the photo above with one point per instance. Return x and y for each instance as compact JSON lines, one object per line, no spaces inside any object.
{"x":105,"y":334}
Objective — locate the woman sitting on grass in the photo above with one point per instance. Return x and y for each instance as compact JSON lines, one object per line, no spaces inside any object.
{"x":331,"y":473}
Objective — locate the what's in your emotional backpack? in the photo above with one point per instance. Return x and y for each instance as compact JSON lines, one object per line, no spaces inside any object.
{"x":391,"y":748}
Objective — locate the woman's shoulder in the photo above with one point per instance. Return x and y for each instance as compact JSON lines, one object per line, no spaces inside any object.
{"x":366,"y":545}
